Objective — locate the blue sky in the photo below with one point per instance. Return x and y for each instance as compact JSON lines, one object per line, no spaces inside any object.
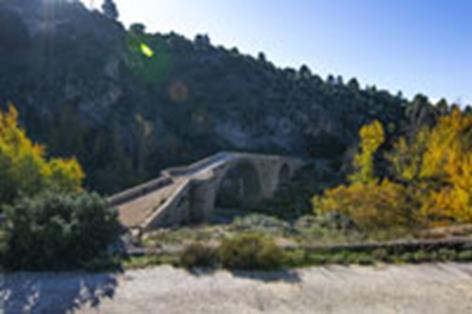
{"x":408,"y":45}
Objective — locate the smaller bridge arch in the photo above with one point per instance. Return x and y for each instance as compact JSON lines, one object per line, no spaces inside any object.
{"x":239,"y":185}
{"x":285,"y":174}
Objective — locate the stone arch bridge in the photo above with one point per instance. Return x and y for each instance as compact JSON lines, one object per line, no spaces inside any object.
{"x":188,"y":194}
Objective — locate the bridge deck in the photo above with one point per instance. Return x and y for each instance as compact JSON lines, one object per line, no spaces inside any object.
{"x":135,"y":212}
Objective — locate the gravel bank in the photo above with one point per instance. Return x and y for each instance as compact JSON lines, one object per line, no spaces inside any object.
{"x":432,"y":288}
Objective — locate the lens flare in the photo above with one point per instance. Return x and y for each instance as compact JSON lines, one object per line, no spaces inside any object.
{"x":147,"y":51}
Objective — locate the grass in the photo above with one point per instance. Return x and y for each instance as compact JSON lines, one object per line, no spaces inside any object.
{"x":150,"y":261}
{"x":295,"y":239}
{"x":306,"y":230}
{"x":300,"y":258}
{"x":287,"y":259}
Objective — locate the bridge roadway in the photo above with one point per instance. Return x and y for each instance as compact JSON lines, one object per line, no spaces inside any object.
{"x":188,"y":193}
{"x":134,"y":212}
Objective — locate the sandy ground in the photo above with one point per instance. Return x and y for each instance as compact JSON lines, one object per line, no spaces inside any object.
{"x":434,"y":288}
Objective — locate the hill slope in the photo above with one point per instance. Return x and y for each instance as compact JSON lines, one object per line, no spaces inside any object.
{"x":84,"y":87}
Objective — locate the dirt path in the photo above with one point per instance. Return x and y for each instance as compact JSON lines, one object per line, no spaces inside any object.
{"x":438,"y":288}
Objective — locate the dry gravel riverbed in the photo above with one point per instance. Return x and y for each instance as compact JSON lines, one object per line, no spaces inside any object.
{"x":432,"y":288}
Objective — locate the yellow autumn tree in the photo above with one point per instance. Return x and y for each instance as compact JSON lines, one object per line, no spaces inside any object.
{"x":448,"y":163}
{"x":431,"y":180}
{"x":24,"y":168}
{"x":406,"y":158}
{"x":372,"y":137}
{"x":372,"y":204}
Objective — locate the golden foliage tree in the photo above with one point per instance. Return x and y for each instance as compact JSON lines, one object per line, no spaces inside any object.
{"x":372,"y":137}
{"x":448,"y":162}
{"x":24,"y":168}
{"x":432,"y":178}
{"x":371,"y":205}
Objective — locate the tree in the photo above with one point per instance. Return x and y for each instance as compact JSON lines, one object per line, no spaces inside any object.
{"x":447,"y":162}
{"x":305,"y":72}
{"x":406,"y":158}
{"x":370,"y":206}
{"x":353,"y":84}
{"x":138,"y":28}
{"x":24,"y":169}
{"x":110,"y":10}
{"x":442,"y":106}
{"x":431,"y":180}
{"x":262,"y":57}
{"x":372,"y":136}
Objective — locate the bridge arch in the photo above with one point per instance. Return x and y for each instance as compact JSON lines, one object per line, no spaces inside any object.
{"x":285,"y":174}
{"x":238,"y":186}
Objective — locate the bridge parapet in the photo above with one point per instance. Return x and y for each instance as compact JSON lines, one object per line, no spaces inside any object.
{"x":140,"y":190}
{"x":189,"y":169}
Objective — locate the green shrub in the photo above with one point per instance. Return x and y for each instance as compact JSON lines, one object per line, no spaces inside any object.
{"x":409,"y":257}
{"x":340,"y":258}
{"x":317,"y":259}
{"x":350,"y":258}
{"x":421,"y":257}
{"x":295,"y":258}
{"x":104,"y":263}
{"x":365,"y":259}
{"x":380,"y":255}
{"x":198,"y":255}
{"x":54,"y":231}
{"x":250,"y":251}
{"x":445,"y":255}
{"x":150,"y":260}
{"x":464,"y":256}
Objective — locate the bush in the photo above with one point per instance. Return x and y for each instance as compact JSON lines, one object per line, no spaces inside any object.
{"x":295,"y":258}
{"x":54,"y":231}
{"x":258,"y":223}
{"x":421,"y":256}
{"x":380,"y":255}
{"x":318,"y":259}
{"x":340,"y":258}
{"x":465,"y":256}
{"x":446,"y":255}
{"x":250,"y":251}
{"x":364,"y":259}
{"x":198,"y":255}
{"x":409,"y":257}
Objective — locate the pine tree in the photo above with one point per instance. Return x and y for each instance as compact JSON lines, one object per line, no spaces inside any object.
{"x":110,"y":10}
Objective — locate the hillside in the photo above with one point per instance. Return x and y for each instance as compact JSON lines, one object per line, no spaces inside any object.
{"x":85,"y":88}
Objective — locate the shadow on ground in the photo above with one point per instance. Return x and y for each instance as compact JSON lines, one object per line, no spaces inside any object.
{"x":53,"y":293}
{"x":286,"y":276}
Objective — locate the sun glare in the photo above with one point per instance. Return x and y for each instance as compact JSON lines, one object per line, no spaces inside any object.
{"x":147,"y":51}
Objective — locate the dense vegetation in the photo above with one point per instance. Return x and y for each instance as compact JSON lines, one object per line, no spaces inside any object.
{"x":58,"y":231}
{"x":48,"y":221}
{"x":425,"y":182}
